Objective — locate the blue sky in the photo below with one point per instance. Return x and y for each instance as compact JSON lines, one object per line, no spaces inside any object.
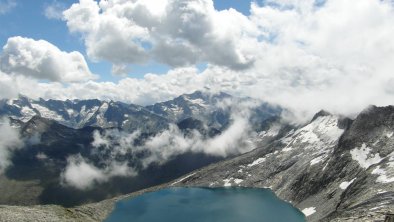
{"x":27,"y":19}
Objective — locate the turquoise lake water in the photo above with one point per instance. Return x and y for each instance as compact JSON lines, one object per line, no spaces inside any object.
{"x":206,"y":205}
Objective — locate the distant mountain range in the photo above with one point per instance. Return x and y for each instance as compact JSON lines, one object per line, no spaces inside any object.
{"x":66,"y":128}
{"x":212,"y":108}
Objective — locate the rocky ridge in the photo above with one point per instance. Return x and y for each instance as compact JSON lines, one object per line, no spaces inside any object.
{"x":332,"y":168}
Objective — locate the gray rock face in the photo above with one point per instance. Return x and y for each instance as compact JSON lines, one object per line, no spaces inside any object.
{"x":332,"y":168}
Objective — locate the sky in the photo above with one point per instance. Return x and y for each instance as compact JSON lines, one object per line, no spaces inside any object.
{"x":304,"y":55}
{"x":33,"y":19}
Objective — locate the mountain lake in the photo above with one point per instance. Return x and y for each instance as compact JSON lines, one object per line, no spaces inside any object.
{"x":206,"y":205}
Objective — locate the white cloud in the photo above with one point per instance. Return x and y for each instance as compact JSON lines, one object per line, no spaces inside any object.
{"x":9,"y":141}
{"x":172,"y":142}
{"x":6,"y":6}
{"x":336,"y":56}
{"x":42,"y":60}
{"x":177,"y":33}
{"x":168,"y":144}
{"x":54,"y":10}
{"x":83,"y":175}
{"x":7,"y":87}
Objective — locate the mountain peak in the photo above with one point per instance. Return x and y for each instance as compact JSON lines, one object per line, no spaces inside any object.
{"x":207,"y":95}
{"x":319,"y":114}
{"x":37,"y":124}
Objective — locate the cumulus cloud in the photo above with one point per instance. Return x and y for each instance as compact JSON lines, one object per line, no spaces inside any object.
{"x":177,"y":33}
{"x":334,"y":56}
{"x":42,"y":60}
{"x":6,"y":6}
{"x":9,"y":141}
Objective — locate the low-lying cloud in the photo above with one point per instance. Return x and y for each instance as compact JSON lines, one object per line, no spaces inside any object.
{"x":81,"y":174}
{"x":122,"y":155}
{"x":10,"y":140}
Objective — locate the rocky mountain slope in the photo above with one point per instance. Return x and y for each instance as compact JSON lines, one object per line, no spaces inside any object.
{"x":332,"y":168}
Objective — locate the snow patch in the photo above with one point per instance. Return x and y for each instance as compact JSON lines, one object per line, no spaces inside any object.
{"x":212,"y":184}
{"x":382,"y":178}
{"x":199,"y":102}
{"x":104,"y":107}
{"x":271,"y":132}
{"x":346,"y":184}
{"x":10,"y":102}
{"x":70,"y":112}
{"x":238,"y":181}
{"x":317,"y":160}
{"x":308,"y":137}
{"x":125,"y":122}
{"x":376,"y":208}
{"x":227,"y":182}
{"x":287,"y":149}
{"x":309,"y":211}
{"x":325,"y":166}
{"x":317,"y":139}
{"x":47,"y":113}
{"x":86,"y":114}
{"x":176,"y":109}
{"x":256,"y":162}
{"x":27,"y":113}
{"x":323,"y":129}
{"x":389,"y":135}
{"x":182,"y":179}
{"x":364,"y":158}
